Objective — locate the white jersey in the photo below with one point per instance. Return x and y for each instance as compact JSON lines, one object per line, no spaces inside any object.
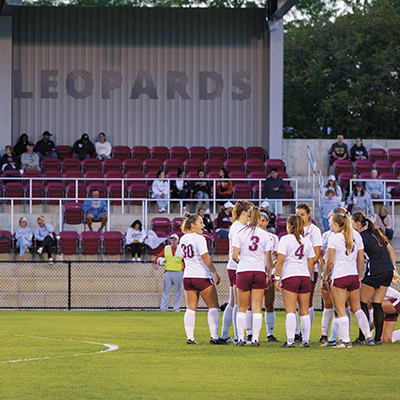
{"x":314,"y":234}
{"x":344,"y":264}
{"x":324,"y":247}
{"x":253,"y":243}
{"x":191,"y":247}
{"x":392,"y":294}
{"x":296,"y":255}
{"x":274,"y":241}
{"x":235,"y":227}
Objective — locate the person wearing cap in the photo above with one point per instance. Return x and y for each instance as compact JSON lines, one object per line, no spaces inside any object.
{"x":274,"y":186}
{"x":103,"y":148}
{"x":24,"y":237}
{"x":224,"y":221}
{"x":271,"y":217}
{"x":173,"y":275}
{"x":360,"y":201}
{"x":134,"y":238}
{"x":328,"y":203}
{"x":83,"y":148}
{"x":46,"y":148}
{"x":375,"y":188}
{"x":332,"y":185}
{"x":30,"y":161}
{"x":44,"y":236}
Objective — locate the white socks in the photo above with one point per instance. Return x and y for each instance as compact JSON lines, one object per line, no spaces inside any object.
{"x":270,"y":322}
{"x":226,"y":321}
{"x":326,"y":320}
{"x":257,"y":324}
{"x":363,"y":323}
{"x":241,"y":325}
{"x":234,"y":316}
{"x":290,"y":327}
{"x":249,"y":321}
{"x":311,"y":314}
{"x":189,"y":323}
{"x":306,"y":327}
{"x":334,"y":330}
{"x":395,"y":336}
{"x":213,"y":322}
{"x":344,"y":329}
{"x":348,"y":312}
{"x":297,"y":331}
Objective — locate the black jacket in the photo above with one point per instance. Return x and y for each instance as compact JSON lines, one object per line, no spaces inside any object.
{"x":43,"y":147}
{"x":84,"y":148}
{"x":4,"y":160}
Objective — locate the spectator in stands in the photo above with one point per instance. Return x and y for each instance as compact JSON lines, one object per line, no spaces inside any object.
{"x":30,"y":160}
{"x":83,"y":148}
{"x":180,"y":188}
{"x":223,"y":186}
{"x":9,"y":161}
{"x":46,"y":148}
{"x":173,"y":274}
{"x":103,"y":148}
{"x":328,"y":203}
{"x":224,"y":221}
{"x":44,"y":237}
{"x":202,"y":190}
{"x":20,"y":147}
{"x":358,"y":151}
{"x":274,"y":186}
{"x":271,"y":217}
{"x":95,"y":209}
{"x":332,"y":185}
{"x":353,"y":184}
{"x":360,"y":201}
{"x":134,"y":238}
{"x":208,"y":225}
{"x":24,"y":237}
{"x":383,"y":221}
{"x":339,"y":149}
{"x":375,"y":188}
{"x":160,"y":190}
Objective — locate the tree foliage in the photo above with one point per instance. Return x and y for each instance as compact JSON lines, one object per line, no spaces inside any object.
{"x":344,"y":74}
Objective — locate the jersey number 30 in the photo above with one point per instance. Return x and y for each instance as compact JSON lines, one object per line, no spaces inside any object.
{"x":187,"y":251}
{"x":300,"y":252}
{"x":254,"y":246}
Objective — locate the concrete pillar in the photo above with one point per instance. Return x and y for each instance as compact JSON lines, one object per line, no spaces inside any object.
{"x":5,"y":81}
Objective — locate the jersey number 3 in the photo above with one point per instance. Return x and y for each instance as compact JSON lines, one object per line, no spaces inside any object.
{"x":254,"y":246}
{"x":300,"y":252}
{"x":187,"y":251}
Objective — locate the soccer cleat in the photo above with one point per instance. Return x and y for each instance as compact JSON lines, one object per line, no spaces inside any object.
{"x":298,"y":337}
{"x":249,"y":338}
{"x":369,"y":341}
{"x":305,"y":344}
{"x":255,"y":344}
{"x":227,"y":340}
{"x":378,"y":342}
{"x":217,"y":341}
{"x":39,"y":250}
{"x":272,"y":338}
{"x":50,"y":260}
{"x":342,"y":345}
{"x":191,"y":341}
{"x":331,"y":343}
{"x":324,"y":339}
{"x":288,"y":345}
{"x":240,"y":343}
{"x":358,"y":342}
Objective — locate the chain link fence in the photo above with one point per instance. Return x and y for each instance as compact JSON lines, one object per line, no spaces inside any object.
{"x":97,"y":285}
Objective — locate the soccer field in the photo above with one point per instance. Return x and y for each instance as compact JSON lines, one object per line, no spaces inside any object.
{"x":152,"y":361}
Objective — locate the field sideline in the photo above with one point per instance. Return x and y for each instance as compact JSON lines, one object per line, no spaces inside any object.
{"x":153,"y":361}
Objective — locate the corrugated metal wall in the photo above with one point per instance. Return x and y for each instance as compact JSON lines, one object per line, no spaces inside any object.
{"x":128,"y":40}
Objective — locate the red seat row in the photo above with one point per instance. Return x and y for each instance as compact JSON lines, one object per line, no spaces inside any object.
{"x":361,"y":166}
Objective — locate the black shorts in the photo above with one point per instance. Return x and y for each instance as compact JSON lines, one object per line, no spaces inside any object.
{"x":376,"y":281}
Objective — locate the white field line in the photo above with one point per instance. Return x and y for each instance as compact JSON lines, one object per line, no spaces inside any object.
{"x":110,"y":347}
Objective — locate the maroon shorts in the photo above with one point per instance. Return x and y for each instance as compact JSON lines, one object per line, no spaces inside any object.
{"x":350,"y":283}
{"x":393,"y":317}
{"x":297,"y":284}
{"x":248,"y":280}
{"x":198,"y":284}
{"x":232,"y":277}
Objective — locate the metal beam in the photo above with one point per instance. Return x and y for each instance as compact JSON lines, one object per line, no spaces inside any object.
{"x":284,"y":9}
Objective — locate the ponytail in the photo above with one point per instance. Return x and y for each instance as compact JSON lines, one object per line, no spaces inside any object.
{"x":296,"y":226}
{"x":347,"y":230}
{"x":365,"y":222}
{"x":240,"y":206}
{"x":190,"y":220}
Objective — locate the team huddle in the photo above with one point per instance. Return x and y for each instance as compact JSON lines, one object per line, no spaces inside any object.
{"x":259,"y":264}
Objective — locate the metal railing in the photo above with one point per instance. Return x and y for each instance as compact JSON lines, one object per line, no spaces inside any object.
{"x":312,"y":165}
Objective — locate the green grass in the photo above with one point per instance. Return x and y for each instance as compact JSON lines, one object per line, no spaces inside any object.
{"x":153,"y":361}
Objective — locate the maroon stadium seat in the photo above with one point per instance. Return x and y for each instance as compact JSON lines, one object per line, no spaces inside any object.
{"x":52,"y":174}
{"x":242,"y":191}
{"x":161,"y":224}
{"x":73,"y":213}
{"x":69,"y":242}
{"x":51,"y":164}
{"x":383,"y":166}
{"x":342,"y":166}
{"x":112,"y":164}
{"x":289,"y":194}
{"x":101,"y":187}
{"x":177,"y":223}
{"x":377,"y":154}
{"x":73,"y":174}
{"x":90,"y":243}
{"x":91,"y":164}
{"x":121,"y":152}
{"x":160,"y":152}
{"x":115,"y":192}
{"x":257,"y":175}
{"x":5,"y":242}
{"x":55,"y":190}
{"x":217,"y":152}
{"x":172,"y":165}
{"x":138,"y":190}
{"x":113,"y":243}
{"x":38,"y":190}
{"x":193,"y":165}
{"x":238,"y":175}
{"x":140,"y":152}
{"x":71,"y":164}
{"x":213,"y":164}
{"x":280,"y":224}
{"x":152,"y":164}
{"x":198,"y":152}
{"x":235,"y":152}
{"x":134,"y":175}
{"x":179,"y":152}
{"x":221,"y":246}
{"x":361,"y":166}
{"x":255,"y":152}
{"x":233,"y":164}
{"x":94,"y":177}
{"x":276,"y":163}
{"x":13,"y":190}
{"x":63,"y":152}
{"x":394,"y":155}
{"x":132,"y":164}
{"x":71,"y":190}
{"x":254,"y":165}
{"x":113,"y":175}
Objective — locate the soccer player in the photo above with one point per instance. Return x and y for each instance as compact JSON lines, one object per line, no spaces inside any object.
{"x":379,"y":274}
{"x":253,"y":273}
{"x":199,"y":277}
{"x":391,"y":307}
{"x":269,"y":295}
{"x":348,"y":258}
{"x":295,"y":267}
{"x":240,"y":215}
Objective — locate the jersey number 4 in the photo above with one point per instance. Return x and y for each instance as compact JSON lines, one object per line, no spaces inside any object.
{"x":254,"y":246}
{"x":187,"y":251}
{"x":300,"y":252}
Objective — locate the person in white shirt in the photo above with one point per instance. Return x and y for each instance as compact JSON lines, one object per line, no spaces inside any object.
{"x":295,"y":268}
{"x":269,"y":295}
{"x":240,"y":215}
{"x":314,"y":234}
{"x":253,"y":273}
{"x":391,"y":308}
{"x":160,"y":190}
{"x":103,"y":148}
{"x":332,"y":185}
{"x":198,"y":278}
{"x":346,"y":253}
{"x":135,"y":237}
